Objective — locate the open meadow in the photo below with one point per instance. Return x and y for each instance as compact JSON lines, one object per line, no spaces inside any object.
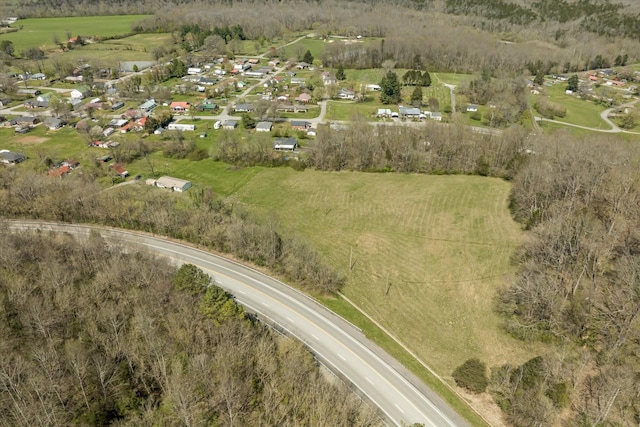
{"x":428,"y":252}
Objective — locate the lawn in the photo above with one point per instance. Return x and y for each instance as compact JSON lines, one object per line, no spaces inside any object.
{"x":38,"y":32}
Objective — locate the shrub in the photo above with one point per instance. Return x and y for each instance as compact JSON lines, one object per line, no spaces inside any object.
{"x":472,"y":375}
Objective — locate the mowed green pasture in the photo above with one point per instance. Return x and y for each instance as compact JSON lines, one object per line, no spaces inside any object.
{"x":579,"y":111}
{"x":428,"y":252}
{"x":38,"y":32}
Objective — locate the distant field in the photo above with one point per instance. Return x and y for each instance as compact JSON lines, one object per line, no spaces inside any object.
{"x":440,"y":245}
{"x":39,"y":32}
{"x":315,"y":46}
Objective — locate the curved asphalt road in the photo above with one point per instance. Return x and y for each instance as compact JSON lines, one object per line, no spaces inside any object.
{"x":336,"y":343}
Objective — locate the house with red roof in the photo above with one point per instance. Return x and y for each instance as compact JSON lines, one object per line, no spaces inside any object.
{"x":179,"y":107}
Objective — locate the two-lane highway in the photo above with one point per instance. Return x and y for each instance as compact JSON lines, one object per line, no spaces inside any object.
{"x":336,"y":343}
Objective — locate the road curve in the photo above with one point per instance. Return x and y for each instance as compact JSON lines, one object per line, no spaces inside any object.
{"x":339,"y":345}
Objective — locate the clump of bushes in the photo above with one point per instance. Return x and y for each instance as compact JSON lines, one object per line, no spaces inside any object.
{"x":472,"y":375}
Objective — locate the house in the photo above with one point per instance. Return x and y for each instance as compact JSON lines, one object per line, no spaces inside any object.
{"x":117,"y":123}
{"x":4,"y":102}
{"x":179,"y":107}
{"x":37,"y":76}
{"x":207,"y":105}
{"x":207,"y":81}
{"x":194,"y":70}
{"x":31,"y":92}
{"x":180,"y":126}
{"x":297,"y":81}
{"x":9,"y":158}
{"x":311,"y":132}
{"x":298,"y":108}
{"x":304,"y":97}
{"x":53,"y":123}
{"x":383,"y":112}
{"x":285,"y":144}
{"x":409,"y":112}
{"x":472,"y":108}
{"x":117,"y":106}
{"x":371,"y":87}
{"x":243,"y":108}
{"x":264,"y":127}
{"x":120,"y":170}
{"x":435,"y":115}
{"x":302,"y":66}
{"x":148,"y":105}
{"x":255,"y":73}
{"x":273,"y":62}
{"x":229,"y":124}
{"x":173,"y":184}
{"x":80,"y":92}
{"x":346,"y":94}
{"x":328,"y":79}
{"x":24,"y":121}
{"x":253,"y":61}
{"x":300,"y":125}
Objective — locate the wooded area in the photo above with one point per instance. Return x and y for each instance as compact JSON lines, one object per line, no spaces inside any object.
{"x":95,"y":336}
{"x":443,"y":35}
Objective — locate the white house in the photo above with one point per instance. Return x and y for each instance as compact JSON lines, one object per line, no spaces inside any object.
{"x":194,"y":70}
{"x":179,"y":126}
{"x":285,"y":144}
{"x":173,"y":184}
{"x":80,"y":92}
{"x":264,"y":127}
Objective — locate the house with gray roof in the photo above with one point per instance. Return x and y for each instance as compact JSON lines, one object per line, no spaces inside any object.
{"x":264,"y":127}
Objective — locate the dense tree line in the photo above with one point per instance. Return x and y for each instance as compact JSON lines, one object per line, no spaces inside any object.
{"x":198,"y":216}
{"x":96,"y":336}
{"x":425,"y":148}
{"x":578,"y":284}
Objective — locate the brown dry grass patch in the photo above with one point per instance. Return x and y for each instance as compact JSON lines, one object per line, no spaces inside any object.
{"x":32,"y":140}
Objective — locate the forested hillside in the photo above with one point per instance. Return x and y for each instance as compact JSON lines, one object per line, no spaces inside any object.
{"x":501,"y":36}
{"x":94,"y":336}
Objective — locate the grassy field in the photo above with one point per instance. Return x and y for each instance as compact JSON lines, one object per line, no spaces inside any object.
{"x":428,"y":251}
{"x":38,"y":32}
{"x":451,"y":78}
{"x":579,"y":111}
{"x":315,"y":46}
